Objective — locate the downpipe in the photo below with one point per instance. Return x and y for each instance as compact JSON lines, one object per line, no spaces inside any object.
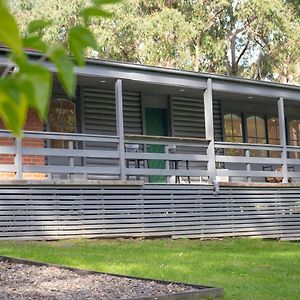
{"x":216,"y":187}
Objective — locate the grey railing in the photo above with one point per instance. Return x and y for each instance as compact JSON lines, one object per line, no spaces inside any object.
{"x":86,"y":156}
{"x":173,"y":159}
{"x":69,"y":159}
{"x":254,"y":162}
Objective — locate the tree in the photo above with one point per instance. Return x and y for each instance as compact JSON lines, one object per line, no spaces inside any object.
{"x":208,"y":45}
{"x":29,"y":84}
{"x":239,"y":38}
{"x":119,"y":37}
{"x":166,"y":40}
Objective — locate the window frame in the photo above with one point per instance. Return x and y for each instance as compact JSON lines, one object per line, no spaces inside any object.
{"x":50,"y":144}
{"x":240,"y":115}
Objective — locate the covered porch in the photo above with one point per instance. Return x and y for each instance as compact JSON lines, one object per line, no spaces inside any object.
{"x":156,"y":125}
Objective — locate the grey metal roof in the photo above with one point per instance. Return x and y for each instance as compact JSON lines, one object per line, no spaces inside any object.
{"x":205,"y":75}
{"x":168,"y":76}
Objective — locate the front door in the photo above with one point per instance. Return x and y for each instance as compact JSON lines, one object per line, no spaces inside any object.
{"x":156,"y":125}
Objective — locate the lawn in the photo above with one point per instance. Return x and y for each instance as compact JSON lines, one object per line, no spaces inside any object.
{"x":245,"y":268}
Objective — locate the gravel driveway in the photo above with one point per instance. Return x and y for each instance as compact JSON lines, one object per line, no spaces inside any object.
{"x":21,"y":281}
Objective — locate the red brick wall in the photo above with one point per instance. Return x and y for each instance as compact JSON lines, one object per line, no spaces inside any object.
{"x":33,"y":123}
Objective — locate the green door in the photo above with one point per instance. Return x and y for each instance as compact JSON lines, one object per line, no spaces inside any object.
{"x":156,"y":125}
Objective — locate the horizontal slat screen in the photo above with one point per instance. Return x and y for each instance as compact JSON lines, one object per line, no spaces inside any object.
{"x":52,"y":212}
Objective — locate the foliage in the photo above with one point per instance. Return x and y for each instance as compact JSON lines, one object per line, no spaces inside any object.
{"x":241,"y":38}
{"x":250,"y":38}
{"x":245,"y":268}
{"x":28,"y":84}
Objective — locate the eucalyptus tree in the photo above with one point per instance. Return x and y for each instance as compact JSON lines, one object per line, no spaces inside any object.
{"x":207,"y":18}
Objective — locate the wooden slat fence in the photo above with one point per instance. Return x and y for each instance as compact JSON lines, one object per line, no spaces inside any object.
{"x":180,"y":211}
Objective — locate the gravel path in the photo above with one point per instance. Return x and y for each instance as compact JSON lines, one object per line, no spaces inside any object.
{"x":21,"y":281}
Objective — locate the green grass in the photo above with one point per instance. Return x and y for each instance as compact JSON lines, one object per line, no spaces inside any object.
{"x":245,"y":268}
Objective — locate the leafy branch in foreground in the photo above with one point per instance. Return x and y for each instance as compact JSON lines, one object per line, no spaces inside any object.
{"x":26,"y":84}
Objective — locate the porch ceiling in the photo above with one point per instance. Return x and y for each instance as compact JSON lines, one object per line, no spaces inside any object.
{"x":136,"y":86}
{"x":242,"y":98}
{"x":161,"y":89}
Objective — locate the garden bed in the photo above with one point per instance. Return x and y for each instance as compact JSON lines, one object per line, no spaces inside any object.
{"x":23,"y":279}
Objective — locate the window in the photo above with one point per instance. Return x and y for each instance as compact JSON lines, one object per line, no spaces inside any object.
{"x":62,"y":118}
{"x":294,"y":136}
{"x":256,"y":133}
{"x":294,"y":132}
{"x":273,"y":131}
{"x":233,"y":132}
{"x":273,"y":135}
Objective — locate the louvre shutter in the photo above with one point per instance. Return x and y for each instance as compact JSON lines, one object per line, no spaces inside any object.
{"x":99,"y":113}
{"x":99,"y":117}
{"x":188,"y":118}
{"x":188,"y":121}
{"x":217,"y":120}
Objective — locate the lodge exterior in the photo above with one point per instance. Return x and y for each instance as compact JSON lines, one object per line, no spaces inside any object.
{"x":147,"y":151}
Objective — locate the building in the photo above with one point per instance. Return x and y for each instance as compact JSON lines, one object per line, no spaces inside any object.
{"x":147,"y":151}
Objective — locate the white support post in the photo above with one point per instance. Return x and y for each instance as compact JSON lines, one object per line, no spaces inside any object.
{"x":18,"y":158}
{"x":71,"y":158}
{"x":167,"y":151}
{"x":248,"y":166}
{"x":282,"y":133}
{"x":209,"y":130}
{"x":120,"y":127}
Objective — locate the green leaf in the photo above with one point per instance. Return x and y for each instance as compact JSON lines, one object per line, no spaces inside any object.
{"x":94,"y":11}
{"x":79,"y":38}
{"x":65,"y":68}
{"x":34,"y":42}
{"x":38,"y":25}
{"x":40,"y":78}
{"x":9,"y":31}
{"x":14,"y":96}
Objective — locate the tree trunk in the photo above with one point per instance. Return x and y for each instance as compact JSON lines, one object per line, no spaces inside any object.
{"x":234,"y":64}
{"x":197,"y":55}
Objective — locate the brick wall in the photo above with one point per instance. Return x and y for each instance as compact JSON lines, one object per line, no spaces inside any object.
{"x":33,"y":123}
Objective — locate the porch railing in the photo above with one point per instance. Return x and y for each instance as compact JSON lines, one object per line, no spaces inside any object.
{"x":73,"y":156}
{"x":172,"y":159}
{"x":59,"y":153}
{"x":258,"y":162}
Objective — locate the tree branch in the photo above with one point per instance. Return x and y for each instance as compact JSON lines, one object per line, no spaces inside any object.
{"x":243,"y":52}
{"x":212,"y":18}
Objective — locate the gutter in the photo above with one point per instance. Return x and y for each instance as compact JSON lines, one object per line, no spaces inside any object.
{"x":202,"y":75}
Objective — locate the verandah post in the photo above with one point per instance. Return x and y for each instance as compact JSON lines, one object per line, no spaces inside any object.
{"x":282,"y":133}
{"x":120,"y":127}
{"x":18,"y":158}
{"x":209,"y":130}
